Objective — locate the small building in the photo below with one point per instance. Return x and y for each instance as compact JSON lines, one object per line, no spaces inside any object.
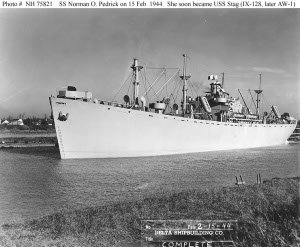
{"x":17,"y":122}
{"x":5,"y":122}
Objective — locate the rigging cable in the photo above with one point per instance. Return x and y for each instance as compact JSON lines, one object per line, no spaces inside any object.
{"x":179,"y":86}
{"x":197,"y":93}
{"x":165,"y":83}
{"x":122,"y":86}
{"x":154,"y":82}
{"x":266,"y":102}
{"x":130,"y":84}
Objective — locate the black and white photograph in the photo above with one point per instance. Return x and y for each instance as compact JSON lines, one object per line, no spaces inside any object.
{"x":151,"y":127}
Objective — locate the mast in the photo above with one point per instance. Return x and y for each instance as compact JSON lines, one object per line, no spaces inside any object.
{"x":136,"y":69}
{"x":258,"y":92}
{"x":184,"y":77}
{"x":223,"y":78}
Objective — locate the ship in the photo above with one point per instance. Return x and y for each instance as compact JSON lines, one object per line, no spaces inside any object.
{"x":87,"y":127}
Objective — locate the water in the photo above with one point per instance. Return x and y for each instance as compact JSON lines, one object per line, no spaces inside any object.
{"x":35,"y":182}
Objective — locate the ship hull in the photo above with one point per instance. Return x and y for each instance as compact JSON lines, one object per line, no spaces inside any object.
{"x":101,"y":131}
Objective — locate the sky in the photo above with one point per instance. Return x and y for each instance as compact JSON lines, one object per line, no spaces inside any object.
{"x":93,"y":49}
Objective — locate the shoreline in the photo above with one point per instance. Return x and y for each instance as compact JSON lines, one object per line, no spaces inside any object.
{"x":25,"y":131}
{"x":268,"y":215}
{"x":8,"y":146}
{"x":15,"y":138}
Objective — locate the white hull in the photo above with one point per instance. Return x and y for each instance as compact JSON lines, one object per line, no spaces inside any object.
{"x":101,"y":131}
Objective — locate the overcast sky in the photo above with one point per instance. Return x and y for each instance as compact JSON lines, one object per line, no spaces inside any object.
{"x":42,"y":50}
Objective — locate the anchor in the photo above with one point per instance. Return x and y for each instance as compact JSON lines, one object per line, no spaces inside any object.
{"x":62,"y":117}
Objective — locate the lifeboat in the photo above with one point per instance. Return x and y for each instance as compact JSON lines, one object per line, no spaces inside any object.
{"x":205,"y":104}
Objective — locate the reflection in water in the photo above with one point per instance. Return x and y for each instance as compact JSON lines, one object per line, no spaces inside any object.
{"x":35,"y":182}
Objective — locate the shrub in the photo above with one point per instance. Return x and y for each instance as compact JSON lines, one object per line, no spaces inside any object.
{"x":23,"y":127}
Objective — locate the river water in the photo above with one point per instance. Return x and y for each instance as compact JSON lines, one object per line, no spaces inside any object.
{"x":36,"y":182}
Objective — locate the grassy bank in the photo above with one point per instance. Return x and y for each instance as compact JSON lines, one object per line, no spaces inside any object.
{"x":267,"y":216}
{"x":13,"y":129}
{"x":22,"y":135}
